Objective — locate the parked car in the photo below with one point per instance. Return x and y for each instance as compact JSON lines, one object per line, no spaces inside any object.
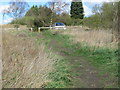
{"x":59,"y":25}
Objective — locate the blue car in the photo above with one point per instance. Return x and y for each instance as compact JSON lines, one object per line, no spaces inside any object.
{"x":58,"y":25}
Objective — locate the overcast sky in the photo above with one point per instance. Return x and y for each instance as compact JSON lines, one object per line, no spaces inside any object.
{"x":87,"y":4}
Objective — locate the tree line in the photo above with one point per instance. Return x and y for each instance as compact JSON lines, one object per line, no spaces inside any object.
{"x":104,"y":16}
{"x":38,"y":16}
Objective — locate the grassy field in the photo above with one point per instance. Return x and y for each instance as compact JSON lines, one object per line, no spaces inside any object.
{"x":102,"y":59}
{"x":98,"y":38}
{"x":13,"y":26}
{"x":25,"y":64}
{"x":53,"y":59}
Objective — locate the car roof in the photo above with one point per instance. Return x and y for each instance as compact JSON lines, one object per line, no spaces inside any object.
{"x":59,"y":23}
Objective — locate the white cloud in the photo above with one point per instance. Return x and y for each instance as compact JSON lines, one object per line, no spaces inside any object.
{"x":28,"y":0}
{"x":96,"y":1}
{"x":87,"y":10}
{"x":8,"y":20}
{"x":100,"y":1}
{"x":64,"y":0}
{"x":91,"y":3}
{"x":3,"y":7}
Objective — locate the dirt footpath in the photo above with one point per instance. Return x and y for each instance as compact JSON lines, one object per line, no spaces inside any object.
{"x":88,"y":76}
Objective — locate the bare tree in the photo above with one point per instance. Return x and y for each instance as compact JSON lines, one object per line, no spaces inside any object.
{"x":57,"y":7}
{"x":17,"y":8}
{"x":52,"y":7}
{"x":116,"y":22}
{"x":97,"y":9}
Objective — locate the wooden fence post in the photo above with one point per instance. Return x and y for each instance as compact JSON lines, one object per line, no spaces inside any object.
{"x":31,"y":29}
{"x":38,"y":29}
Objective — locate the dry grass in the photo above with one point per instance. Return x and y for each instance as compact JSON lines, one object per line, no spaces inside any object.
{"x":6,"y":26}
{"x":99,"y":38}
{"x":24,"y":64}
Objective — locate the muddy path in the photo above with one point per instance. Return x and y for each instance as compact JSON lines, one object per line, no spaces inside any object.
{"x":87,"y":75}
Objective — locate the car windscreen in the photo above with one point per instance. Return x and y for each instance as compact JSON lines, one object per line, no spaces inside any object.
{"x":59,"y":24}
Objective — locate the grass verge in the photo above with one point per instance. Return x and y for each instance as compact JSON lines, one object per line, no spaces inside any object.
{"x":61,"y":75}
{"x":104,"y":59}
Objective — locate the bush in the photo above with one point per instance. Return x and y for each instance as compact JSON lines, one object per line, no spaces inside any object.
{"x":16,"y":26}
{"x":67,"y":20}
{"x":76,"y":22}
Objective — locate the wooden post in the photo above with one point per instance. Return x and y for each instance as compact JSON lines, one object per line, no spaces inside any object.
{"x":38,"y":29}
{"x":50,"y":27}
{"x":31,"y":29}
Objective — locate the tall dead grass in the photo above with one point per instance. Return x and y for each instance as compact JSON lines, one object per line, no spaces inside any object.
{"x":99,"y":38}
{"x":12,"y":26}
{"x":25,"y":65}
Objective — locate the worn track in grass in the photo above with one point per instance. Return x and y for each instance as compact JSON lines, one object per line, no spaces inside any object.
{"x":87,"y":75}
